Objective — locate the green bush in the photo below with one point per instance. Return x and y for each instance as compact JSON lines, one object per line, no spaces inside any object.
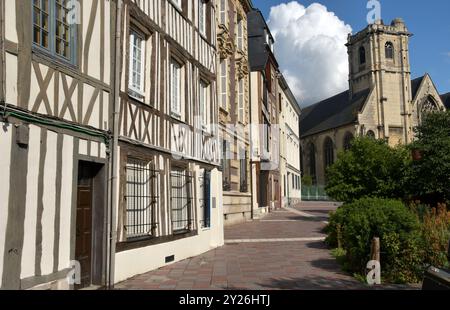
{"x":435,"y":235}
{"x":429,"y":177}
{"x":398,"y":228}
{"x":370,"y":168}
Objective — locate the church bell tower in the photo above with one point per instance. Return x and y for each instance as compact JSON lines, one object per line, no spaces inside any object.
{"x":379,"y":60}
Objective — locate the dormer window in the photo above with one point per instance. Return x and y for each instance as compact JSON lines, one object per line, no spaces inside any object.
{"x":389,"y":50}
{"x":362,"y":55}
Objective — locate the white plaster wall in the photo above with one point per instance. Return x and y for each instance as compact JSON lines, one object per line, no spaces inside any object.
{"x":11,"y":79}
{"x":5,"y":162}
{"x":48,"y":216}
{"x":138,"y":261}
{"x":66,"y":203}
{"x":10,"y":19}
{"x":29,"y":243}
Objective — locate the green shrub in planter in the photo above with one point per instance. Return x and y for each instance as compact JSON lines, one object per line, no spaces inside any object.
{"x":357,"y":223}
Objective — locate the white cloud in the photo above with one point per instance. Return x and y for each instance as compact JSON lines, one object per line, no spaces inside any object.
{"x":310,"y":48}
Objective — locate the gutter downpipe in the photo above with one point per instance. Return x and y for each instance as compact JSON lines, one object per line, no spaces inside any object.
{"x":113,"y":181}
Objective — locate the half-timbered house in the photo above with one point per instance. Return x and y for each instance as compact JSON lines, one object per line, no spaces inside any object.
{"x":264,"y":107}
{"x":55,"y":98}
{"x":170,"y":187}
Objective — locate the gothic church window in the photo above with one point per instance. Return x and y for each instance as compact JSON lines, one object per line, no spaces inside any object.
{"x":348,"y":141}
{"x":312,"y":161}
{"x":328,"y":152}
{"x":428,"y":106}
{"x":371,"y":134}
{"x":362,"y":55}
{"x":389,"y":50}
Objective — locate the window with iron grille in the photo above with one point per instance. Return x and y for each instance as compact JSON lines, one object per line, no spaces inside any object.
{"x":52,"y":31}
{"x":141,"y":199}
{"x":243,"y":171}
{"x":181,"y":200}
{"x":226,"y":168}
{"x":204,"y":197}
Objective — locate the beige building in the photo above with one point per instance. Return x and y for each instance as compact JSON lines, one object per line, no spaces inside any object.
{"x":289,"y":144}
{"x":233,"y":97}
{"x":382,"y":100}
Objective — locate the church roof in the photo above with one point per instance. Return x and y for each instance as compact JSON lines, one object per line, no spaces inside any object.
{"x":333,"y":112}
{"x":339,"y":110}
{"x":446,"y":100}
{"x":415,"y":84}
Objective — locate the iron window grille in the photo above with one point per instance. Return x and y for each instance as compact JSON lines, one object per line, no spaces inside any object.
{"x":243,"y":171}
{"x":181,"y":200}
{"x":141,"y":199}
{"x":226,"y":169}
{"x":205,"y":199}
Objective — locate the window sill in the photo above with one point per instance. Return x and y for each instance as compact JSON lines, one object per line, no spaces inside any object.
{"x":223,"y":110}
{"x":176,"y":116}
{"x":133,"y":94}
{"x":43,"y":54}
{"x":203,"y":35}
{"x":137,"y":244}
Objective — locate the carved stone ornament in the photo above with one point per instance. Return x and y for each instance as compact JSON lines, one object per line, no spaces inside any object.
{"x":225,"y":43}
{"x":242,"y":64}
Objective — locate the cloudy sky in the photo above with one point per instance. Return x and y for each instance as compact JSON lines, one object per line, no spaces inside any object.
{"x":311,"y":35}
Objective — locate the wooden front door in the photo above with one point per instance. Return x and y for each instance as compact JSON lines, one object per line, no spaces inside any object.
{"x":83,"y":247}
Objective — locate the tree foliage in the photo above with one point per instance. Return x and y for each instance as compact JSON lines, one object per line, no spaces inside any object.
{"x":429,"y":177}
{"x":370,"y":168}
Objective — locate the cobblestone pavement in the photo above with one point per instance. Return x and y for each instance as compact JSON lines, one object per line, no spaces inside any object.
{"x":283,"y":250}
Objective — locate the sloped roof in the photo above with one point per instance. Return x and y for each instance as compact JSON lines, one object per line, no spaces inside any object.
{"x":415,"y":84}
{"x":339,"y":110}
{"x":446,"y":100}
{"x":333,"y":112}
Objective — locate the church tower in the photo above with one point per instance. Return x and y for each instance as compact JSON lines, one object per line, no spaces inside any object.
{"x":379,"y":60}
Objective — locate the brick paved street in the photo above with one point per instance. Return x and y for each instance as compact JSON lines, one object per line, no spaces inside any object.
{"x":281,"y":264}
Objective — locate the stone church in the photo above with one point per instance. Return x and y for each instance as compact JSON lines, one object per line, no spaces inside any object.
{"x":382,"y":100}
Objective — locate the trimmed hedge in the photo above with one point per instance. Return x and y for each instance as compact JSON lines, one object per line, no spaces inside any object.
{"x":397,"y":227}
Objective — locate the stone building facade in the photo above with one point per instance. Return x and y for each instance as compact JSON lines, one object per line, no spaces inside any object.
{"x":382,"y":101}
{"x":233,"y":97}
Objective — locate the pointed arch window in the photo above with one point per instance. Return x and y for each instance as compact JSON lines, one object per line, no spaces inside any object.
{"x":312,"y":161}
{"x":429,"y":105}
{"x":389,"y":50}
{"x":371,"y":134}
{"x":328,"y":152}
{"x":362,"y":55}
{"x":348,"y":141}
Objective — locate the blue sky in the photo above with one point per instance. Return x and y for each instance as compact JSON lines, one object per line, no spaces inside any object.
{"x":429,"y":21}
